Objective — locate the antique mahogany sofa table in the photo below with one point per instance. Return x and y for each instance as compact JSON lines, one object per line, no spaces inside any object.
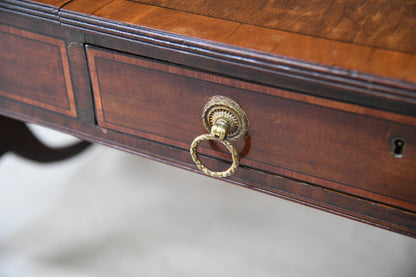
{"x":312,"y":101}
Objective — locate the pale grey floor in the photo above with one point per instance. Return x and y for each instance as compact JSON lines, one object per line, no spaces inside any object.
{"x":108,"y":213}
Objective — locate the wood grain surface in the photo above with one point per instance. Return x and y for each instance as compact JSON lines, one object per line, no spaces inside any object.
{"x":376,"y":37}
{"x":379,"y":23}
{"x":35,"y":70}
{"x":57,"y":3}
{"x":300,"y":138}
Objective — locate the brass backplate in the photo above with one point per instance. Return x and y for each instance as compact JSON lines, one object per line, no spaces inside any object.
{"x":221,"y":107}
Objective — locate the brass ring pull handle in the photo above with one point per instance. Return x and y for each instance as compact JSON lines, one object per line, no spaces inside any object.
{"x":230,"y":147}
{"x":225,"y":121}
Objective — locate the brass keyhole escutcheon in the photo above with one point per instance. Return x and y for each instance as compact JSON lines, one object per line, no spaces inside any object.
{"x":225,"y":122}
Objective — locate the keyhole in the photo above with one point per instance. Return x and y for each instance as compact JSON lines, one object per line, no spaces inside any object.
{"x":399,"y":145}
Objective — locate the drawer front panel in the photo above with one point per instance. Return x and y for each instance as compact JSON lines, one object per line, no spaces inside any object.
{"x":35,"y":70}
{"x":336,"y":145}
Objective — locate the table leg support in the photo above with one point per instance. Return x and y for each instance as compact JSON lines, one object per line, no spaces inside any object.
{"x":16,"y":137}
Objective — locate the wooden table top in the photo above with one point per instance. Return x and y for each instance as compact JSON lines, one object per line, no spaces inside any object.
{"x":375,"y":37}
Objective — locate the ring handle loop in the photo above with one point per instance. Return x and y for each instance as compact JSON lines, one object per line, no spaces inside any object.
{"x":225,"y":121}
{"x":203,"y":168}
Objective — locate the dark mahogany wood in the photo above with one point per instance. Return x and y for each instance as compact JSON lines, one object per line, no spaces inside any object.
{"x":325,"y":104}
{"x":309,"y":139}
{"x":35,"y":70}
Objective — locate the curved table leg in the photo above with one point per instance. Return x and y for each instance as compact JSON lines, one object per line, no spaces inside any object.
{"x":16,"y":137}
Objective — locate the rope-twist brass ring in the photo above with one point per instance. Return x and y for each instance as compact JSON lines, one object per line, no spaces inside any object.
{"x":225,"y":121}
{"x":203,"y":168}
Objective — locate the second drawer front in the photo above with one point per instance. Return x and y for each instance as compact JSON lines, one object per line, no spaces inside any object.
{"x":332,"y":144}
{"x":34,"y":69}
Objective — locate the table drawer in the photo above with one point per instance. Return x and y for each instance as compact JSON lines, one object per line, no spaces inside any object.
{"x":335,"y":145}
{"x":35,"y":70}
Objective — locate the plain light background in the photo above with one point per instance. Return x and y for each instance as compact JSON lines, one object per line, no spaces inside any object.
{"x":108,"y":213}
